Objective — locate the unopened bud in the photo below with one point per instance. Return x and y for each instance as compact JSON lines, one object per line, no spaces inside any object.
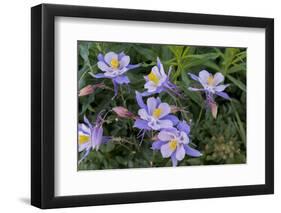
{"x":123,"y":112}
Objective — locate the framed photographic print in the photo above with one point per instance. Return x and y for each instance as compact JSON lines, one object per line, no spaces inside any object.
{"x":140,"y":106}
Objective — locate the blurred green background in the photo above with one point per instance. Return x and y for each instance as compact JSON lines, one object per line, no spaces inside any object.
{"x":221,"y":140}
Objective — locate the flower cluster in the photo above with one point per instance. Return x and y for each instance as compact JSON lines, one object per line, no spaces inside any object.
{"x":172,"y":133}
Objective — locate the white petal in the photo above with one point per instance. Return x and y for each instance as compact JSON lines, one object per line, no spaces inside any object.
{"x":180,"y":153}
{"x":109,"y":56}
{"x":165,"y":124}
{"x":125,"y":60}
{"x":221,"y":88}
{"x":166,"y":151}
{"x":102,"y":66}
{"x":151,"y":105}
{"x":143,"y":114}
{"x":165,"y":109}
{"x":203,"y":76}
{"x":150,"y":86}
{"x":218,"y":78}
{"x":166,"y":135}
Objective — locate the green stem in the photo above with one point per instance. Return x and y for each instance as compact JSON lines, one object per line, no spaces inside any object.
{"x":199,"y":117}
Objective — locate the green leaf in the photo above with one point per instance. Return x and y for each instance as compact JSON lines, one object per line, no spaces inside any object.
{"x":84,"y":51}
{"x":146,"y":52}
{"x":237,"y":83}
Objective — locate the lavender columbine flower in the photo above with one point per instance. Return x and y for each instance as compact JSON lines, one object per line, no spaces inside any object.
{"x":114,"y":67}
{"x":211,"y":86}
{"x":91,"y":136}
{"x":174,"y":143}
{"x":155,"y":115}
{"x":157,"y":81}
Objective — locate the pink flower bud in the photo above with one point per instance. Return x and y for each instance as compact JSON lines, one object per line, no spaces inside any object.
{"x":87,"y":90}
{"x":214,"y":109}
{"x":122,"y":112}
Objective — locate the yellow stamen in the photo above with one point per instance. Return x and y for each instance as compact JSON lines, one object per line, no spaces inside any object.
{"x":210,"y":80}
{"x":83,"y":139}
{"x":157,"y":112}
{"x":114,"y":63}
{"x":152,"y":77}
{"x":173,"y":144}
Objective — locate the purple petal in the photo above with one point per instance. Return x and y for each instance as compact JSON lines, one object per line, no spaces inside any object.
{"x":174,"y":160}
{"x":122,"y":79}
{"x":161,"y":68}
{"x":84,"y":156}
{"x":105,"y":139}
{"x":224,"y":95}
{"x":141,"y":124}
{"x":191,"y":152}
{"x":84,"y":129}
{"x":115,"y":88}
{"x":144,"y":94}
{"x":133,"y":66}
{"x":183,"y":126}
{"x":84,"y":146}
{"x":194,"y":77}
{"x":87,"y":121}
{"x":140,"y":100}
{"x":99,"y":75}
{"x":121,"y":55}
{"x":172,"y":118}
{"x":100,"y":57}
{"x":97,"y":137}
{"x":156,"y":145}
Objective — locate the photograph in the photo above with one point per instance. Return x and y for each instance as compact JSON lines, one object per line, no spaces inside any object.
{"x":160,"y":105}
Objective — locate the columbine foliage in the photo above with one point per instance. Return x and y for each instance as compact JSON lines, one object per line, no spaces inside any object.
{"x":136,"y":108}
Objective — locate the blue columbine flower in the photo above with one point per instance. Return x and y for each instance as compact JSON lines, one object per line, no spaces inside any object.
{"x":90,"y":136}
{"x":158,"y":81}
{"x":212,"y":86}
{"x":114,"y":67}
{"x":154,"y":115}
{"x":174,"y":143}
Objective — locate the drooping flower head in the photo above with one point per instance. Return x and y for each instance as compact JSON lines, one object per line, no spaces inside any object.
{"x":174,"y":143}
{"x":90,"y":136}
{"x":123,"y":112}
{"x":114,"y":65}
{"x":158,"y":81}
{"x":154,"y":115}
{"x":212,"y":86}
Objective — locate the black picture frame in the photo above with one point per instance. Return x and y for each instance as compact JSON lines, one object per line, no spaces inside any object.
{"x":43,"y":102}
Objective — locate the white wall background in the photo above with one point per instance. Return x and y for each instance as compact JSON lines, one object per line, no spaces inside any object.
{"x":15,"y":105}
